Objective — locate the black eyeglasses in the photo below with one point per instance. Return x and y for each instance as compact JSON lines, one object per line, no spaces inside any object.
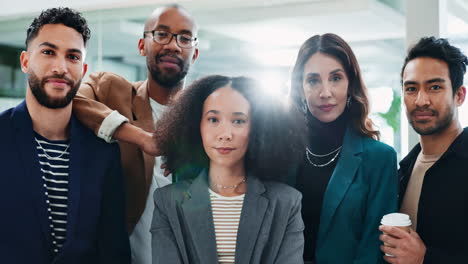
{"x":184,"y":41}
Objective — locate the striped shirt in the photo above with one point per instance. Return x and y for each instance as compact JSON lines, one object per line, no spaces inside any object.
{"x":54,"y":159}
{"x":226,"y":216}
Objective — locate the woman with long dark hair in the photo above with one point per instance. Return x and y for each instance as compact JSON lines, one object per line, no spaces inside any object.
{"x":348,"y":179}
{"x":228,"y":147}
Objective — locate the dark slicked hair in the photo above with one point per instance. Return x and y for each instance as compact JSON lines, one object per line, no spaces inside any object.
{"x":276,"y":139}
{"x":440,"y":48}
{"x":333,"y":45}
{"x":59,"y":15}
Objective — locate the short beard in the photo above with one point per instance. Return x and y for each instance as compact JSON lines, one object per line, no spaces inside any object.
{"x":439,"y":126}
{"x":38,"y":90}
{"x":170,"y":81}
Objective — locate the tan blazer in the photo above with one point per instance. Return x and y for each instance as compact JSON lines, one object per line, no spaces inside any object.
{"x":97,"y":97}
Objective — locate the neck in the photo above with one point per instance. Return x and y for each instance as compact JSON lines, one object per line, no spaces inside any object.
{"x":50,"y":123}
{"x":227,"y":176}
{"x":325,"y":137}
{"x":438,"y":143}
{"x":162,"y":95}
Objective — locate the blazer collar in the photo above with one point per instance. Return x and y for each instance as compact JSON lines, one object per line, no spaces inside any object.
{"x":199,"y":216}
{"x":141,"y":107}
{"x":252,"y":215}
{"x":342,"y":177}
{"x":199,"y":219}
{"x":24,"y":138}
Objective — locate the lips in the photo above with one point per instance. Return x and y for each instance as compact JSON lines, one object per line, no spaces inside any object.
{"x":169,"y":61}
{"x":56,"y":82}
{"x":423,"y":115}
{"x":326,"y":107}
{"x":224,"y":150}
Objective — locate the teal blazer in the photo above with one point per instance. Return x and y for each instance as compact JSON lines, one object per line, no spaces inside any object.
{"x":362,"y":188}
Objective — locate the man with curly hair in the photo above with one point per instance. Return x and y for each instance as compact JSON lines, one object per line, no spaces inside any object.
{"x":117,"y":109}
{"x":62,"y":195}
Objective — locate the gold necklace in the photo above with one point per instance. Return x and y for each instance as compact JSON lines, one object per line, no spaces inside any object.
{"x":221,"y":186}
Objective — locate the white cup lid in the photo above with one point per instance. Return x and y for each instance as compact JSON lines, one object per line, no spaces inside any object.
{"x":396,"y":219}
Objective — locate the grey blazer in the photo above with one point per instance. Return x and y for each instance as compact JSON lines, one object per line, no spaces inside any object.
{"x":270,"y":228}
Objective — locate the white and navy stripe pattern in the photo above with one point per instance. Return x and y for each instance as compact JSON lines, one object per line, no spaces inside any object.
{"x":54,"y":160}
{"x":226,"y":216}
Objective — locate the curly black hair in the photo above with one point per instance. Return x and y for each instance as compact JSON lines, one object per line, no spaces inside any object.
{"x":440,"y":48}
{"x":59,"y":15}
{"x":277,"y":134}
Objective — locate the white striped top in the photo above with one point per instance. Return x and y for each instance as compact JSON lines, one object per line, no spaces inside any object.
{"x":226,"y":216}
{"x":54,"y":160}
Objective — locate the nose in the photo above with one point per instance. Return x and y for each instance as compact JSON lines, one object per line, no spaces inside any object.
{"x":325,"y":92}
{"x":59,"y":66}
{"x":225,"y":133}
{"x":172,"y":45}
{"x":422,"y":99}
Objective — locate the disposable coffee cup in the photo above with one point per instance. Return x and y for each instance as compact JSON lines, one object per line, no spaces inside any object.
{"x":399,"y":220}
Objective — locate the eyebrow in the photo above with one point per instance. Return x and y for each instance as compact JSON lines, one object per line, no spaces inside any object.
{"x":211,"y":111}
{"x":164,"y":27}
{"x":435,"y":80}
{"x":239,"y":114}
{"x":218,"y":112}
{"x":53,"y":46}
{"x":314,"y":74}
{"x":337,"y":70}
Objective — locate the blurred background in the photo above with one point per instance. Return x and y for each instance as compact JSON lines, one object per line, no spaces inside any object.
{"x":257,"y":38}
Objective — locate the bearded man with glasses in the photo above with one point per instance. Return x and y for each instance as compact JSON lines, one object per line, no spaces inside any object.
{"x":116,"y":109}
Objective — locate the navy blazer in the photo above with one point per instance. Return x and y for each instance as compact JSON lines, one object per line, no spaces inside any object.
{"x":270,"y":228}
{"x":362,"y":188}
{"x":95,"y":223}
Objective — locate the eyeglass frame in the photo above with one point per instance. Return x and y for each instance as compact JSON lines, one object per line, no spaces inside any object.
{"x":194,"y":40}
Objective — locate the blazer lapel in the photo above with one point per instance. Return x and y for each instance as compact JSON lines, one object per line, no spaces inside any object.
{"x":341,"y":179}
{"x":199,"y":219}
{"x":253,"y":213}
{"x":33,"y":175}
{"x":143,"y":115}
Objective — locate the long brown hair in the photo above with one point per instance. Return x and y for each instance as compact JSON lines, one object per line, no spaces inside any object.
{"x":336,"y":47}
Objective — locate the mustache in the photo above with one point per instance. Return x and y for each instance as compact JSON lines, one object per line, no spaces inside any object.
{"x":424,"y":109}
{"x":57,"y":76}
{"x":158,"y":57}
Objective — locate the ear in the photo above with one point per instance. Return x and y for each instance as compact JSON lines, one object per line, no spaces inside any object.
{"x":24,"y":60}
{"x":141,"y":47}
{"x":195,"y":55}
{"x":460,"y":95}
{"x":85,"y":69}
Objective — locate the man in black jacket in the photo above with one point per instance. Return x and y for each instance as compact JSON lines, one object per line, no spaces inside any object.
{"x":434,"y":175}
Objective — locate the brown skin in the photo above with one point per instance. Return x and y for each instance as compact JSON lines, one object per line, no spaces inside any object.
{"x":57,"y":50}
{"x":225,"y":129}
{"x":176,"y":21}
{"x":431,"y":108}
{"x":407,"y":248}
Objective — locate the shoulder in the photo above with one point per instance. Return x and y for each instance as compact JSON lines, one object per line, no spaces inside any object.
{"x":5,"y":120}
{"x":5,"y":116}
{"x":281,"y":191}
{"x":173,"y":192}
{"x":98,"y":144}
{"x":377,"y":149}
{"x":108,"y":79}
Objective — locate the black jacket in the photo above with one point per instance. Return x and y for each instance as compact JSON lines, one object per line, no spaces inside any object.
{"x":443,"y":205}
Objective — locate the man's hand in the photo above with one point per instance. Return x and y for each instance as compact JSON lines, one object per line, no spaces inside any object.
{"x":406,"y":248}
{"x":148,"y":144}
{"x":135,"y":135}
